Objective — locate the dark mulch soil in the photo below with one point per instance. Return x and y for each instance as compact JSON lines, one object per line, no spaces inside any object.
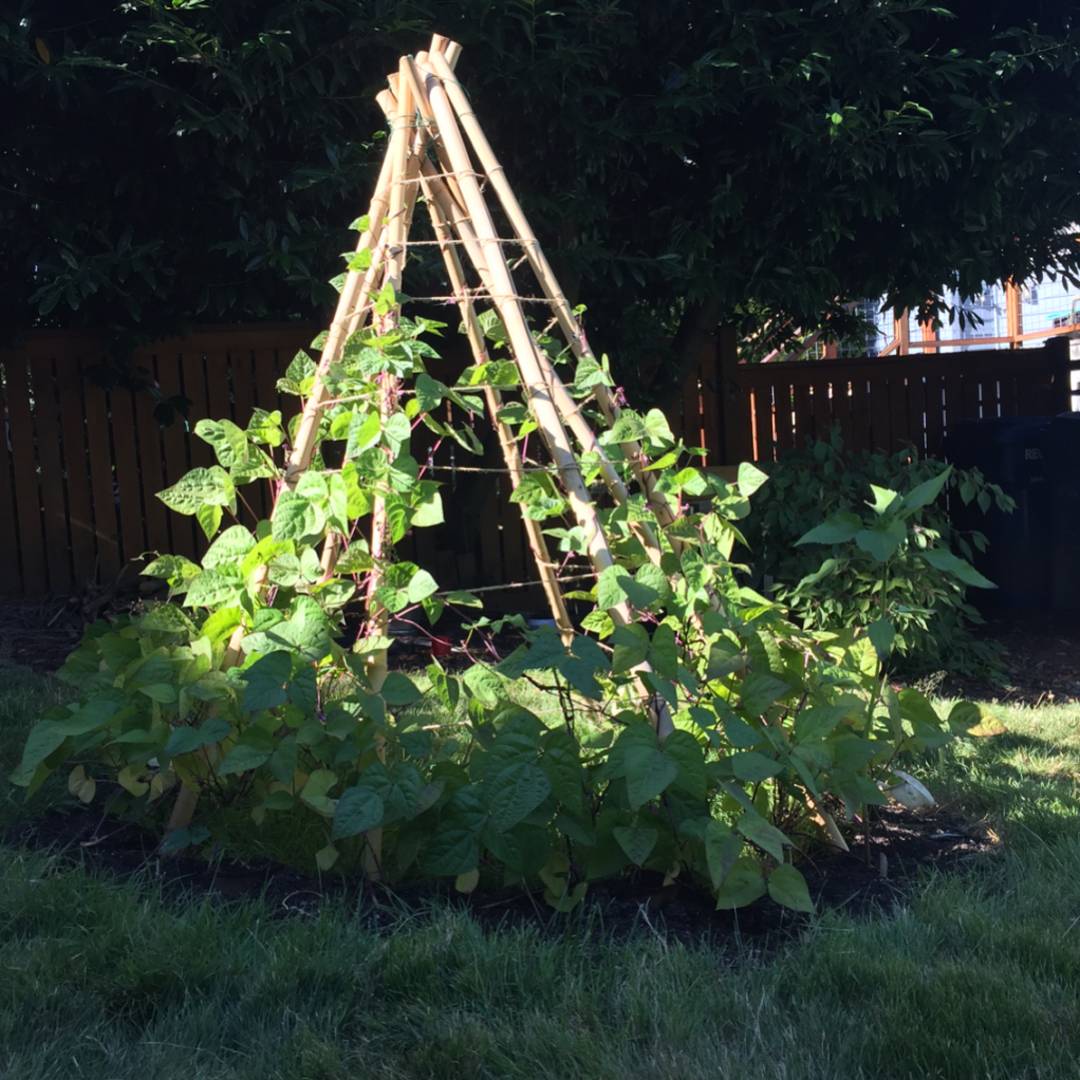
{"x":1041,"y":666}
{"x":39,"y":634}
{"x":1041,"y":661}
{"x":867,"y":879}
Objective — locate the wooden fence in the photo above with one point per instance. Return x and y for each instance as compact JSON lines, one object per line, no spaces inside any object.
{"x":885,"y":402}
{"x":80,"y":464}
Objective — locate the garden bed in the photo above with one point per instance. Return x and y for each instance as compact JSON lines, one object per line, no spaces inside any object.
{"x":867,"y":879}
{"x":1039,"y":661}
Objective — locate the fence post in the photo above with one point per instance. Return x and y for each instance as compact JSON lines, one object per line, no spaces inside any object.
{"x":929,"y":337}
{"x":902,"y":330}
{"x":1014,"y":317}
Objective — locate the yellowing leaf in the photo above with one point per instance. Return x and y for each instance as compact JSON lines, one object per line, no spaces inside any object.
{"x":80,"y":785}
{"x":988,"y":727}
{"x":326,"y":857}
{"x":467,"y":882}
{"x":128,"y":778}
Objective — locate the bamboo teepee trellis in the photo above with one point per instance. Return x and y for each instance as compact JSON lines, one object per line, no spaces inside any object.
{"x":437,"y":149}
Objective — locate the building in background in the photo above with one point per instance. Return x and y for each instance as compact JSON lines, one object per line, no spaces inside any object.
{"x":1044,"y":305}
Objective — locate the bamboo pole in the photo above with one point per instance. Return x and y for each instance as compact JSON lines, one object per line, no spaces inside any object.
{"x":493,"y":399}
{"x":351,"y":309}
{"x":542,"y":270}
{"x":587,"y":440}
{"x":436,"y":188}
{"x":378,"y":618}
{"x":547,"y":417}
{"x":402,"y":199}
{"x":419,"y":91}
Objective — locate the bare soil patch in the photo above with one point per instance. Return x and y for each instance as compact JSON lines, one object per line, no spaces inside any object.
{"x":874,"y":876}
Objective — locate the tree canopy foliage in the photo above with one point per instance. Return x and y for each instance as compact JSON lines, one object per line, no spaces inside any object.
{"x":685,"y":163}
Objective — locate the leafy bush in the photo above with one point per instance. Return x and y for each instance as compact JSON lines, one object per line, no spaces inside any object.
{"x":933,"y":617}
{"x":711,"y":737}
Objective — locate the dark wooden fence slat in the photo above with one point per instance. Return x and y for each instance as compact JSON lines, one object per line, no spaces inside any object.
{"x":784,"y":416}
{"x":490,"y":535}
{"x":217,"y":385}
{"x":763,"y":423}
{"x":11,"y":582}
{"x":954,"y":399}
{"x":841,"y":410}
{"x":859,"y":414}
{"x":27,"y":495}
{"x":76,"y":466}
{"x":820,"y":410}
{"x":175,"y":461}
{"x":935,"y":414}
{"x":804,"y":416}
{"x":242,"y":384}
{"x":152,"y":470}
{"x":915,"y":421}
{"x":265,"y":371}
{"x":102,"y":477}
{"x":128,"y":474}
{"x":53,"y":503}
{"x":193,"y":373}
{"x":881,"y":427}
{"x":968,"y":406}
{"x":712,"y":434}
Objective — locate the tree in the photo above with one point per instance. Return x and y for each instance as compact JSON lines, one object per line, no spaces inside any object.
{"x":687,"y":163}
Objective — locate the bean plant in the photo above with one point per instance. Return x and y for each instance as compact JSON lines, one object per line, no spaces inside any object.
{"x":782,"y":732}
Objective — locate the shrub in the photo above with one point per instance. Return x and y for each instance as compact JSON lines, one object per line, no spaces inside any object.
{"x":933,"y":617}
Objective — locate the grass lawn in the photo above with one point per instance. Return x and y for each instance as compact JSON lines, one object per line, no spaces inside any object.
{"x":978,"y":975}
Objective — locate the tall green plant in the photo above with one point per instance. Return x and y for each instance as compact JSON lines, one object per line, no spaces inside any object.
{"x":931,"y":612}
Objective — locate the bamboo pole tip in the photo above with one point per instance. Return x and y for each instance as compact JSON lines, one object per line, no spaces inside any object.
{"x":393,"y":80}
{"x":387,"y":101}
{"x":448,"y":48}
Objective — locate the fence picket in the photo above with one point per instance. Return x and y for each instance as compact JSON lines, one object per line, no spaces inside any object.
{"x":80,"y":466}
{"x":128,"y":473}
{"x":53,"y":506}
{"x":880,"y":413}
{"x":174,"y":447}
{"x":76,"y":464}
{"x":151,"y":470}
{"x":27,"y":496}
{"x":11,"y":582}
{"x":193,"y":374}
{"x":102,"y":477}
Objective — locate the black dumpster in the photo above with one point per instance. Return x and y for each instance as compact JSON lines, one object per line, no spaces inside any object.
{"x":1010,"y":451}
{"x":1061,"y":449}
